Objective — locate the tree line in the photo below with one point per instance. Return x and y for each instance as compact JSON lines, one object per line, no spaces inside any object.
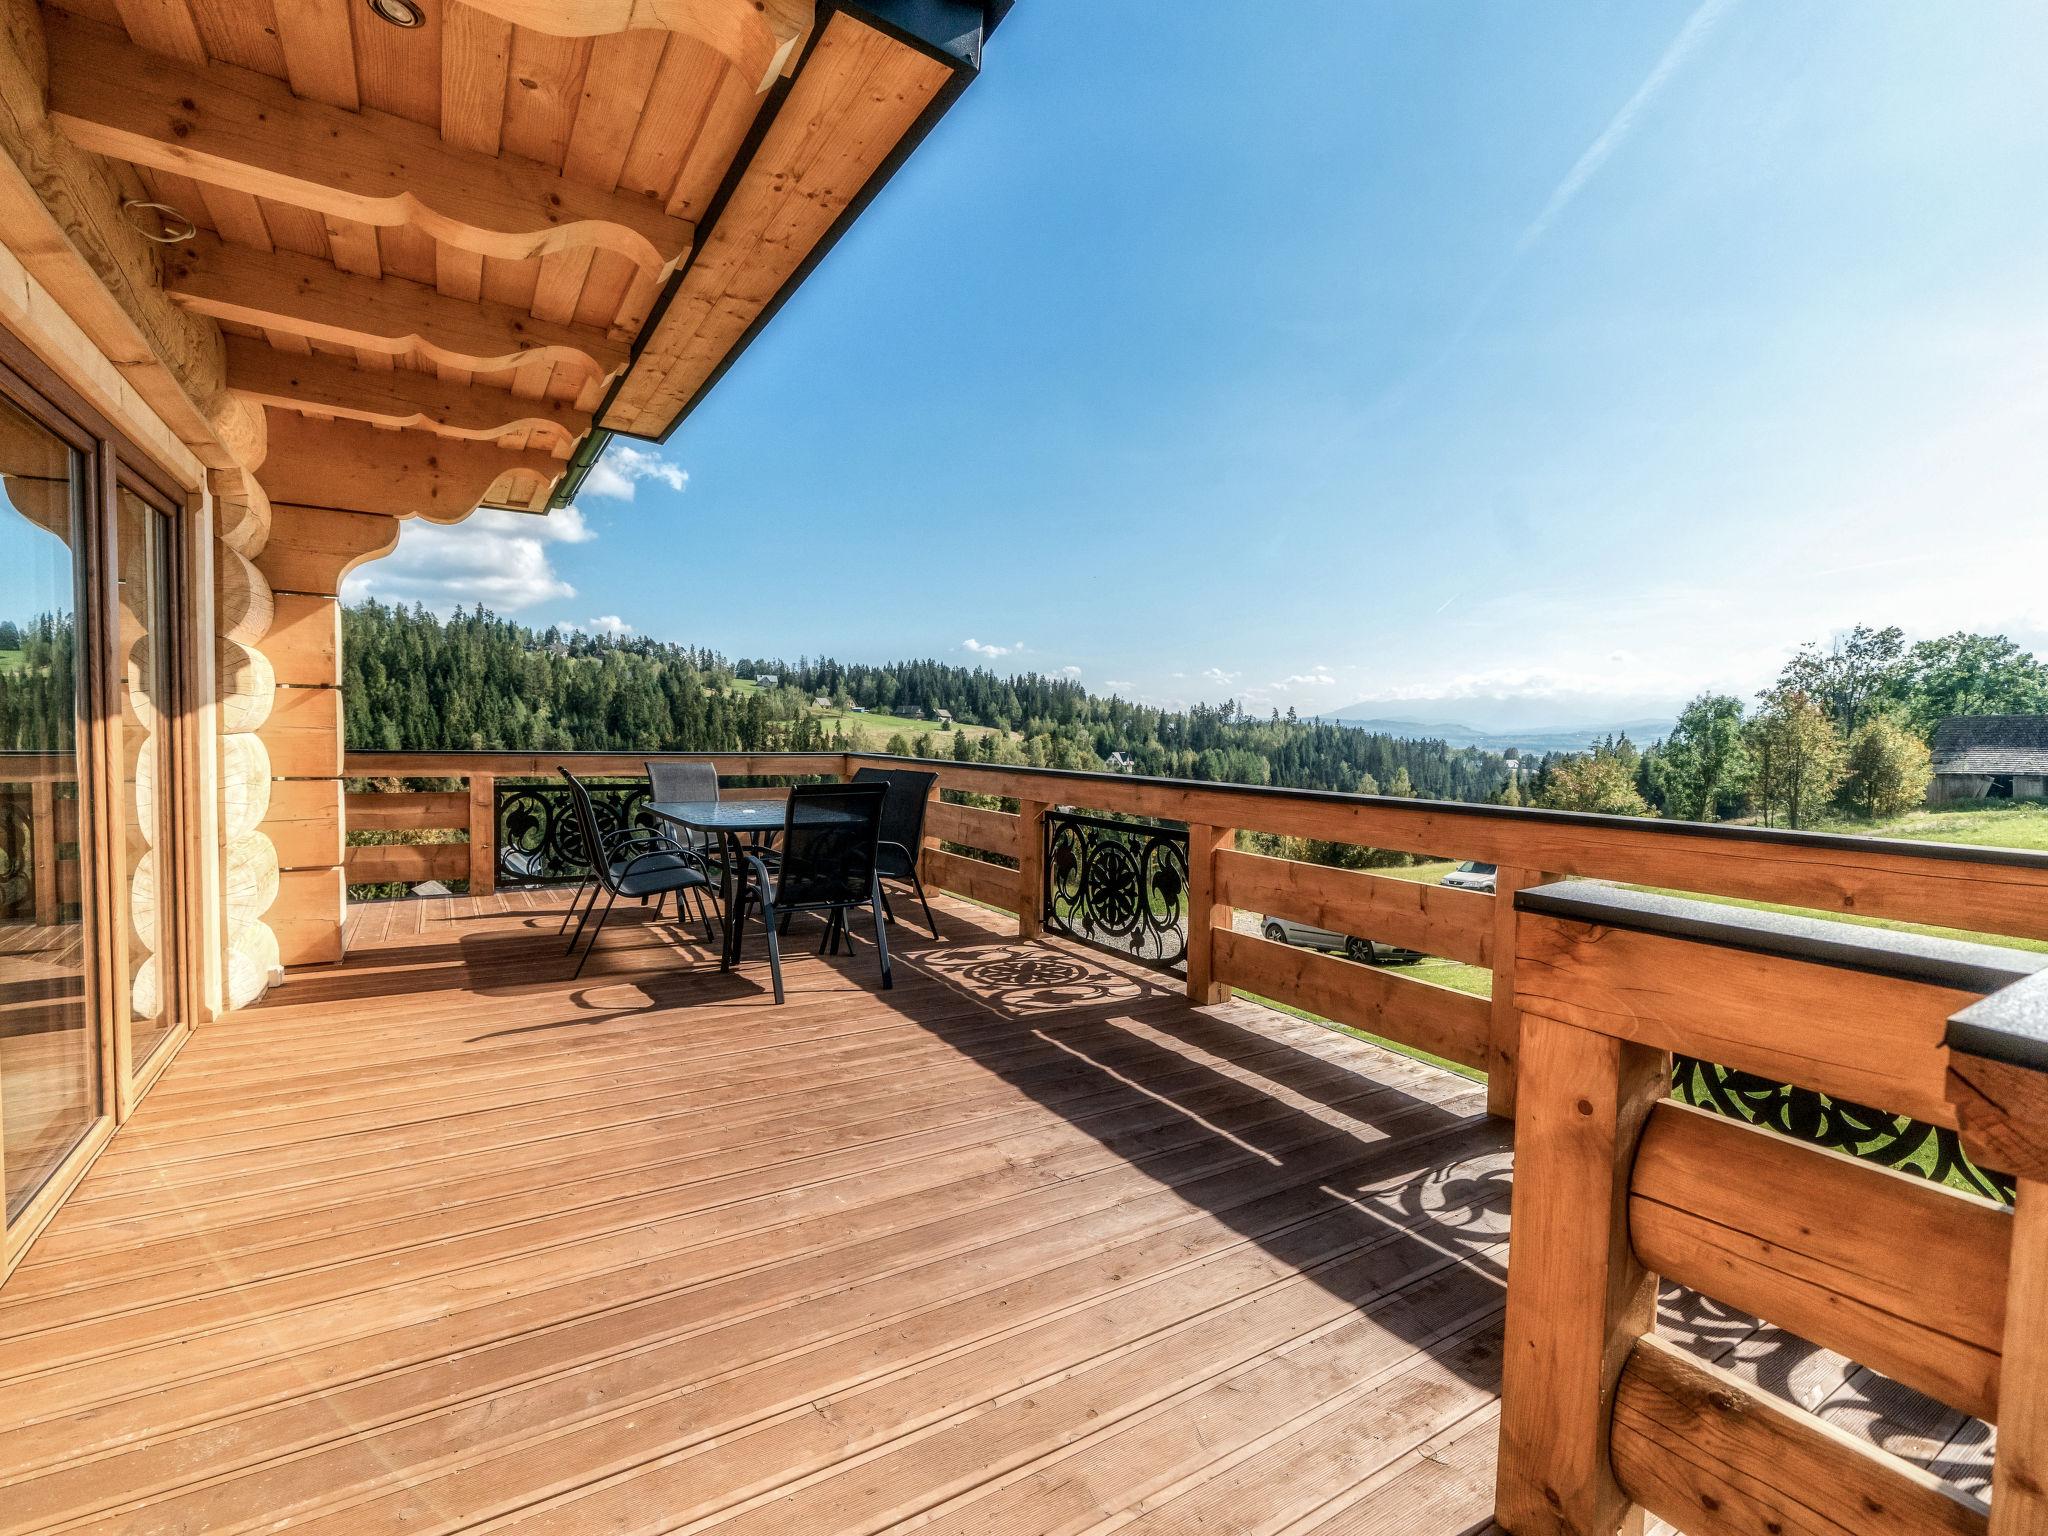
{"x":413,"y":681}
{"x":1844,"y":730}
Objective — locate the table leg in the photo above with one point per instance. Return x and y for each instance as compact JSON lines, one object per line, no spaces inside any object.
{"x":733,"y":884}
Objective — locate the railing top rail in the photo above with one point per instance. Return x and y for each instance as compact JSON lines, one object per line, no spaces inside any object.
{"x":396,"y":764}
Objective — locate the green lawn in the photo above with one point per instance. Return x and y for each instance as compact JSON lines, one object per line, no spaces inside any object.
{"x":2010,"y":824}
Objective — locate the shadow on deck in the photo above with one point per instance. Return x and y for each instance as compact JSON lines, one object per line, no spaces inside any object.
{"x":435,"y":1239}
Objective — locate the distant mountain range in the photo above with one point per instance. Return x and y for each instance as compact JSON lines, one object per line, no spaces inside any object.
{"x":1533,"y":738}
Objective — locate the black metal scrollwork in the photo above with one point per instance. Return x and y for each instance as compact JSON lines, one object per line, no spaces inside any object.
{"x":1895,"y":1141}
{"x":1119,"y":885}
{"x":539,"y":837}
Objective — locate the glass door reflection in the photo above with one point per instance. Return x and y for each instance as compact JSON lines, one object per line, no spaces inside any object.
{"x":49,"y":1043}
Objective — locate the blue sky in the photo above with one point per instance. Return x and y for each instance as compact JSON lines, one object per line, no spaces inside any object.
{"x":1503,"y":362}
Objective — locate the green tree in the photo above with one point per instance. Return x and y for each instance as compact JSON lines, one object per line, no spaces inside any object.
{"x":1856,"y":673}
{"x":1798,"y":756}
{"x":1602,"y":780}
{"x":1888,"y":768}
{"x":1965,"y":674}
{"x":1704,"y":765}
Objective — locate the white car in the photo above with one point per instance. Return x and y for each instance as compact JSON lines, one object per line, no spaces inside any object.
{"x":1469,"y":876}
{"x":1284,"y":930}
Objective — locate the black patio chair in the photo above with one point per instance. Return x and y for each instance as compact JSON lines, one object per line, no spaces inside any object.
{"x":902,"y":829}
{"x":826,"y":864}
{"x":646,"y":864}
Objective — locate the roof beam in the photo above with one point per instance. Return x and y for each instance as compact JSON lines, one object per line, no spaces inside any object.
{"x":358,"y":468}
{"x":236,"y":128}
{"x":760,"y":37}
{"x":281,"y":291}
{"x":399,"y":397}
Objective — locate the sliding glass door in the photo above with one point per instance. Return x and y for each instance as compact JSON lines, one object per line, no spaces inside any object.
{"x":51,"y":1045}
{"x":95,"y":753}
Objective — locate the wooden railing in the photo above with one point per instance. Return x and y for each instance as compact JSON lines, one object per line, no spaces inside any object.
{"x":1594,"y":989}
{"x":1616,"y":1185}
{"x":39,"y":800}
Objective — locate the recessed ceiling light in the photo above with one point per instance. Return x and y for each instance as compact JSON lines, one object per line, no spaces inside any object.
{"x":400,"y":13}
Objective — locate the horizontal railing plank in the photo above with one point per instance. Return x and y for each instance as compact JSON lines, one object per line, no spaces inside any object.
{"x":371,"y":863}
{"x":1435,"y":919}
{"x":972,"y":827}
{"x":1449,"y":1024}
{"x":1874,"y":1039}
{"x":989,"y":883}
{"x":1696,"y":1446}
{"x":1903,"y":1275}
{"x":1978,"y":889}
{"x":408,"y":811}
{"x":436,"y":765}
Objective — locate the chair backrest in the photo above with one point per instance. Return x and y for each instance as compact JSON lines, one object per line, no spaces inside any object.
{"x":903,"y":808}
{"x":592,"y":836}
{"x":682,"y":782}
{"x":829,"y":835}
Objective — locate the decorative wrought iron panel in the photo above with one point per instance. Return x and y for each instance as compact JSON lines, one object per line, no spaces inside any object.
{"x":539,"y":838}
{"x":1119,"y":885}
{"x":1892,"y":1140}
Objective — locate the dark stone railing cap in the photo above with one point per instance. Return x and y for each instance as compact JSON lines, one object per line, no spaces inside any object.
{"x":2009,"y":1026}
{"x":1956,"y":963}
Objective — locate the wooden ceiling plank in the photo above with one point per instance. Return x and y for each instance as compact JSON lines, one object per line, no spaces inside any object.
{"x":398,"y":69}
{"x":858,"y":95}
{"x":360,"y":468}
{"x":167,"y":27}
{"x":673,"y":116}
{"x":399,"y":398}
{"x":614,"y":95}
{"x":319,"y":51}
{"x":762,"y":38}
{"x":391,"y":316}
{"x":727,"y":121}
{"x":236,"y":215}
{"x":353,"y":247}
{"x":542,"y":93}
{"x":237,"y":128}
{"x":476,"y":52}
{"x":241,"y":32}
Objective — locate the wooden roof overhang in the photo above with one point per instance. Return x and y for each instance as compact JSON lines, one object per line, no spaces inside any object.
{"x":432,"y":267}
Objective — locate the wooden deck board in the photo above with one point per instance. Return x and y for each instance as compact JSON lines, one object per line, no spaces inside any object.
{"x":438,"y":1240}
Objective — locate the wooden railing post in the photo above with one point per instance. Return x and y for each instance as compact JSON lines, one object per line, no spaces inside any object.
{"x":1998,"y":1083}
{"x":483,"y":834}
{"x":1578,"y":1298}
{"x":1206,"y":914}
{"x":1030,"y":868}
{"x":1505,"y":1041}
{"x":43,"y":848}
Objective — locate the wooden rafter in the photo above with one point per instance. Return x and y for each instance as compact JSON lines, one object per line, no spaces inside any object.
{"x":239,"y":129}
{"x":760,"y":37}
{"x":390,"y":397}
{"x":304,"y":296}
{"x":356,"y":468}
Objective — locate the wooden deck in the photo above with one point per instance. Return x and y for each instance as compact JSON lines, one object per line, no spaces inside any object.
{"x":439,"y":1241}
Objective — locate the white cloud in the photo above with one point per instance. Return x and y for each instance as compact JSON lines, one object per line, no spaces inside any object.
{"x":1316,"y":677}
{"x":618,"y":473}
{"x":991,"y":650}
{"x":609,"y":624}
{"x":1112,"y":683}
{"x":493,"y":557}
{"x":1070,"y":671}
{"x":1219,"y":677}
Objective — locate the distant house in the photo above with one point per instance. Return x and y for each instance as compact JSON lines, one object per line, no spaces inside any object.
{"x":556,"y":648}
{"x":822,"y":702}
{"x":942,"y":714}
{"x":768,"y":680}
{"x":911,"y":712}
{"x":1120,"y":762}
{"x":1989,"y":757}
